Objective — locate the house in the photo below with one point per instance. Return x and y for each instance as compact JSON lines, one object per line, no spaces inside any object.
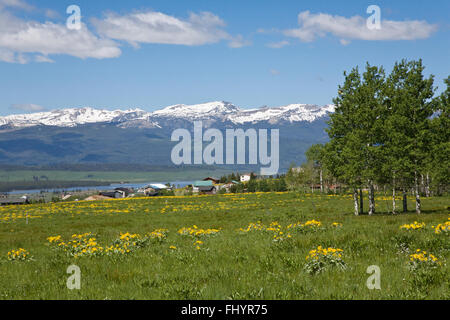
{"x":154,"y":189}
{"x":207,"y":189}
{"x":150,"y":192}
{"x":204,"y":184}
{"x":14,"y":201}
{"x":228,"y":185}
{"x":117,"y":194}
{"x":245,"y":177}
{"x":127,"y":191}
{"x":213,"y":179}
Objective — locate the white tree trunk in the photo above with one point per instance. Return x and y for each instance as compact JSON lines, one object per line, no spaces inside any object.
{"x":427,"y":186}
{"x":321,"y":180}
{"x":393,"y":201}
{"x":416,"y":190}
{"x":355,"y":201}
{"x":422,"y":184}
{"x":393,"y":194}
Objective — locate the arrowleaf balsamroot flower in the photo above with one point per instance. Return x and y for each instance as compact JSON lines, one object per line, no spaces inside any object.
{"x":321,"y":259}
{"x":413,"y":226}
{"x":19,"y":255}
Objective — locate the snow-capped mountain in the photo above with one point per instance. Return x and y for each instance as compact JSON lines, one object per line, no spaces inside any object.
{"x":71,"y":117}
{"x":218,"y":111}
{"x":290,"y":113}
{"x":93,"y":136}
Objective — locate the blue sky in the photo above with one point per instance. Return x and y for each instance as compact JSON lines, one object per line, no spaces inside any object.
{"x":251,"y":53}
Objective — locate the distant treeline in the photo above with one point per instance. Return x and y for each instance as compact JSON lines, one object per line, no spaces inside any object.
{"x":44,"y":184}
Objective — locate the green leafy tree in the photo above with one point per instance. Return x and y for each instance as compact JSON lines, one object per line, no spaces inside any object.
{"x":315,"y":155}
{"x":440,"y":137}
{"x":354,"y":153}
{"x":369,"y":131}
{"x":409,"y":105}
{"x":292,"y":178}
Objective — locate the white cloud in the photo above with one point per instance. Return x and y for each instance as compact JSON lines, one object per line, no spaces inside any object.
{"x":19,"y":39}
{"x":28,"y":107}
{"x":16,"y":4}
{"x":159,"y":28}
{"x":313,"y":26}
{"x":22,"y":41}
{"x":41,"y":58}
{"x":267,"y":31}
{"x":238,"y":42}
{"x":7,"y":55}
{"x":278,"y":45}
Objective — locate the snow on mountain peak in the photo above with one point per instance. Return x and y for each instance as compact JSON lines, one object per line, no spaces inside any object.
{"x":196,"y":111}
{"x":290,"y":113}
{"x":216,"y":110}
{"x":70,"y":117}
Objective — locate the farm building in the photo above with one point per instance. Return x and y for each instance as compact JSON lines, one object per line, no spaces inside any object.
{"x":150,"y":192}
{"x":204,"y":187}
{"x":245,"y":177}
{"x":127,"y":191}
{"x":228,"y":185}
{"x":153,"y":189}
{"x":117,"y":194}
{"x":13,"y":201}
{"x":207,"y":189}
{"x":213,"y":179}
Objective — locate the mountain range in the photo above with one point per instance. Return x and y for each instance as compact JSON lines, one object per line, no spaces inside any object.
{"x":218,"y":111}
{"x":79,"y":135}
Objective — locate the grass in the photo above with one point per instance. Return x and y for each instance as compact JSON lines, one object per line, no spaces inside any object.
{"x":231,"y":264}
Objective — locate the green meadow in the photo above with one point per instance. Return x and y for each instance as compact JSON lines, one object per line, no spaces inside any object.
{"x":233,"y":262}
